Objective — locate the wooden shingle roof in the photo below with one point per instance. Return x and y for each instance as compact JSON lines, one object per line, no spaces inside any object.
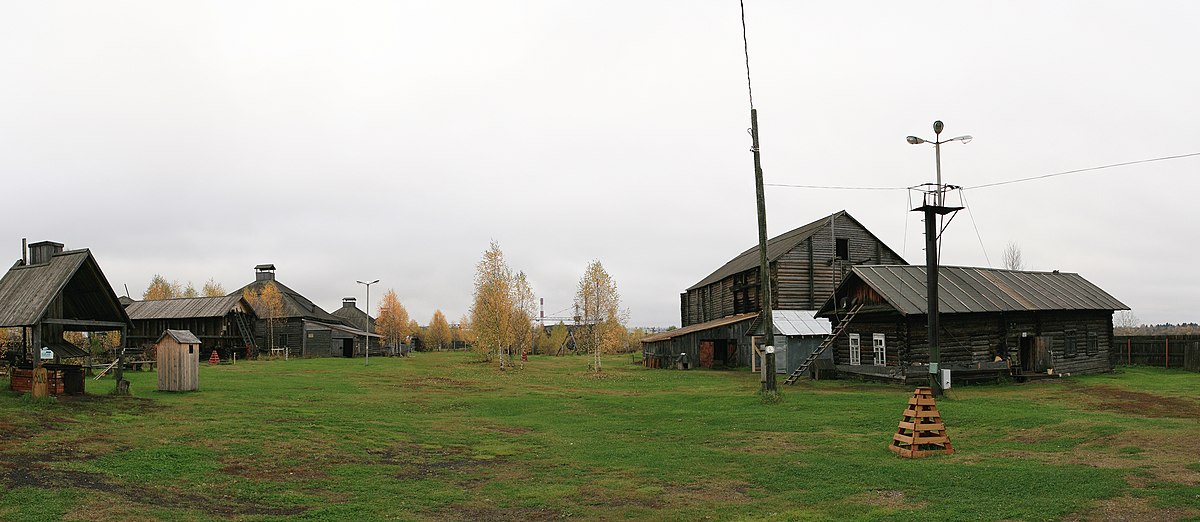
{"x":181,"y":336}
{"x":186,"y":308}
{"x":294,"y":304}
{"x":26,"y":291}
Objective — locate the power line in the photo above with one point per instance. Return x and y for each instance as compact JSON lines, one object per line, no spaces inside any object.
{"x":962,"y":194}
{"x":1044,"y":176}
{"x":746,"y":48}
{"x":998,"y":183}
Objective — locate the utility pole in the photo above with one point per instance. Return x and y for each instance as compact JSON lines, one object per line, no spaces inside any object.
{"x":934,"y":207}
{"x":764,"y":267}
{"x":367,"y":338}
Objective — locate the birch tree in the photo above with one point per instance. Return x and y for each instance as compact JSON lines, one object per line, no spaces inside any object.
{"x":502,"y":308}
{"x":1012,"y":257}
{"x":160,"y":288}
{"x":267,"y":302}
{"x":392,"y":320}
{"x":213,"y":289}
{"x":601,"y":317}
{"x":438,"y":333}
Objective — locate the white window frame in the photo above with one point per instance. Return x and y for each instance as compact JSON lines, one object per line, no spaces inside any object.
{"x":879,"y":343}
{"x":855,"y":350}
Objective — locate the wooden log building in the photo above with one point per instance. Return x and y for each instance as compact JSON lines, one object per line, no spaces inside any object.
{"x":303,"y":329}
{"x":993,"y":322}
{"x":353,"y":316}
{"x":224,"y":323}
{"x":806,"y":264}
{"x":48,"y":292}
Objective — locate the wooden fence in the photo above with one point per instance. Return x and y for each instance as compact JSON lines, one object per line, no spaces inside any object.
{"x":1166,"y":351}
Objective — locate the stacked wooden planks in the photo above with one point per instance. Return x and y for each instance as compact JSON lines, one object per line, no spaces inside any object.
{"x":921,"y":432}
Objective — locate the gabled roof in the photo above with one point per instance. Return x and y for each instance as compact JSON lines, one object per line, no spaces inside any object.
{"x":294,"y":304}
{"x":724,"y":321}
{"x":967,"y":289}
{"x":26,"y":291}
{"x":186,"y":307}
{"x":317,"y":325}
{"x":776,"y":248}
{"x":180,"y":336}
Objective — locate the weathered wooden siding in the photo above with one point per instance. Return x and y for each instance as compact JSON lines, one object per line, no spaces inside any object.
{"x":802,"y":279}
{"x":216,"y":333}
{"x":178,"y":365}
{"x":690,"y":343}
{"x":807,"y":275}
{"x":970,"y":339}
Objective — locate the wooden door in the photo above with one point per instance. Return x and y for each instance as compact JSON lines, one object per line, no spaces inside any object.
{"x":706,"y":354}
{"x":1041,"y":353}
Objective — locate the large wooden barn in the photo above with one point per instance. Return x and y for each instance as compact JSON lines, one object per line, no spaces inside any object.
{"x":993,"y":321}
{"x":303,"y":328}
{"x":225,"y":323}
{"x":806,"y":264}
{"x":52,"y":291}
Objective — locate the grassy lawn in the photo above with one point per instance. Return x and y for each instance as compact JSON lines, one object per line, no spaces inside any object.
{"x":440,"y":436}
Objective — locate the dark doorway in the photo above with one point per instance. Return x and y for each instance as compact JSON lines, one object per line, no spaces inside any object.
{"x":717,"y":353}
{"x":347,"y":347}
{"x":1035,"y":353}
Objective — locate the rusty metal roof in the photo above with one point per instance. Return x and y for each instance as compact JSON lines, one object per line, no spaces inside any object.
{"x":662,"y":336}
{"x":968,"y":289}
{"x":186,"y":307}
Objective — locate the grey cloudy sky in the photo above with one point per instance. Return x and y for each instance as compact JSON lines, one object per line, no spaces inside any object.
{"x":393,"y":140}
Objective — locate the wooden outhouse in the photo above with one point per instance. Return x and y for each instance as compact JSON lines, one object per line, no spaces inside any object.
{"x":178,"y":358}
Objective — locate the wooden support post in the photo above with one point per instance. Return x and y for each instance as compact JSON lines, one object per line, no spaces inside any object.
{"x":1167,"y":352}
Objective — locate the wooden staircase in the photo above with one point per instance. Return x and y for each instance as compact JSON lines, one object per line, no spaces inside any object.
{"x":841,"y":327}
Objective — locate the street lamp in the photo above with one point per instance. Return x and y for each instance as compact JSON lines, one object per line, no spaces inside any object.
{"x":937,"y":208}
{"x":367,"y":338}
{"x":937,"y":151}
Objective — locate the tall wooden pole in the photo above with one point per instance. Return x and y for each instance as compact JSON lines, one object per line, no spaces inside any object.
{"x":764,"y":267}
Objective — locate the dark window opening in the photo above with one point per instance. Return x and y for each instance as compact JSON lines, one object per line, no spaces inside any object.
{"x":1069,"y":346}
{"x":1093,"y":344}
{"x":843,"y":249}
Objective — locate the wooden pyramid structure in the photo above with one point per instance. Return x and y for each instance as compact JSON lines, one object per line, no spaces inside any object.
{"x":921,"y":432}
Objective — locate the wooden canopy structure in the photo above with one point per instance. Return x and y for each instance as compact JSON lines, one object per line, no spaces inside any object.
{"x":55,"y":291}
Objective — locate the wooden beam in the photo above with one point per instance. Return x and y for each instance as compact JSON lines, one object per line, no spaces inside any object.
{"x":101,"y":325}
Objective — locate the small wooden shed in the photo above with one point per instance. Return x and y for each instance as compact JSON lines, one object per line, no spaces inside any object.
{"x":178,"y":358}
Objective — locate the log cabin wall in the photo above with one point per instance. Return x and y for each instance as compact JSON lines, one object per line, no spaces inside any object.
{"x":1079,"y":341}
{"x":802,"y":277}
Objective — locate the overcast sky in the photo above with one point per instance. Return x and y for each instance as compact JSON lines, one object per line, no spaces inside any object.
{"x":394,"y":140}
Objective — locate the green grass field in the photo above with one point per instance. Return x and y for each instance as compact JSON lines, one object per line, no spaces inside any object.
{"x":440,"y":436}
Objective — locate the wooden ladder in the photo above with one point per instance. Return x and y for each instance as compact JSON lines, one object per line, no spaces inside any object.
{"x":244,"y":328}
{"x":841,"y":327}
